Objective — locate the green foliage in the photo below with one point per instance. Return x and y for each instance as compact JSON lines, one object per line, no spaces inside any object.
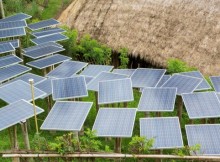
{"x":39,"y":143}
{"x":123,"y":58}
{"x":140,"y":145}
{"x":187,"y":150}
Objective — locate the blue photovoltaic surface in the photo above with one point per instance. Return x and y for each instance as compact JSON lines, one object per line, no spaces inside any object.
{"x":17,"y":17}
{"x":67,"y":116}
{"x":44,"y":51}
{"x":144,"y":77}
{"x":17,"y":112}
{"x":67,"y":69}
{"x":115,"y":122}
{"x":13,"y":24}
{"x":183,"y":83}
{"x":48,"y":61}
{"x":46,"y":32}
{"x":67,"y":88}
{"x":9,"y":60}
{"x":163,"y":80}
{"x":45,"y":86}
{"x":12,"y":32}
{"x":115,"y":91}
{"x":6,"y":47}
{"x":43,"y":24}
{"x":127,"y":72}
{"x":49,"y":38}
{"x":15,"y":43}
{"x":215,"y":82}
{"x":94,"y":70}
{"x":207,"y":136}
{"x":202,"y":105}
{"x":93,"y":85}
{"x":12,"y":71}
{"x":157,"y":99}
{"x":18,"y":90}
{"x":165,"y":131}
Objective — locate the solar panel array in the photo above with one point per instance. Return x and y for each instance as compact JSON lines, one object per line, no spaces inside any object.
{"x":207,"y":136}
{"x":183,"y":83}
{"x":45,"y":86}
{"x":202,"y":105}
{"x":94,"y":70}
{"x":18,"y":90}
{"x":17,"y":17}
{"x":67,"y":69}
{"x":6,"y":47}
{"x":12,"y":32}
{"x":215,"y":82}
{"x":9,"y":60}
{"x":144,"y":77}
{"x":15,"y":113}
{"x":157,"y":99}
{"x":165,"y":131}
{"x":127,"y":72}
{"x":43,"y":24}
{"x":13,"y":24}
{"x":49,"y":38}
{"x":46,"y":32}
{"x":48,"y":61}
{"x":14,"y":43}
{"x":103,"y":76}
{"x":115,"y":91}
{"x":163,"y":80}
{"x":67,"y":88}
{"x":114,"y":122}
{"x":67,"y":116}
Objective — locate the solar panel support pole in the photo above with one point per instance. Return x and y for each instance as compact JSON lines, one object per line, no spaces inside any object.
{"x":20,"y":50}
{"x":117,"y":145}
{"x":15,"y":143}
{"x":2,"y":9}
{"x":96,"y":101}
{"x":179,"y":107}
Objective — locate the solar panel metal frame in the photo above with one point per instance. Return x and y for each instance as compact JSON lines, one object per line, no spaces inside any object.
{"x":201,"y":116}
{"x":157,"y":110}
{"x":36,"y":40}
{"x":2,"y":35}
{"x":115,"y":109}
{"x":16,"y":17}
{"x":71,"y":102}
{"x":47,"y":32}
{"x":13,"y":59}
{"x":93,"y":70}
{"x":13,"y":24}
{"x":215,"y":85}
{"x":44,"y":87}
{"x":156,"y":118}
{"x":124,"y":71}
{"x":15,"y":43}
{"x":43,"y":24}
{"x":9,"y":46}
{"x":45,"y":59}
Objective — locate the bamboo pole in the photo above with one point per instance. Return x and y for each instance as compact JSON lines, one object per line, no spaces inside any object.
{"x":2,"y":10}
{"x":180,"y":107}
{"x":117,"y":145}
{"x":15,"y":143}
{"x":96,"y":101}
{"x":20,"y":51}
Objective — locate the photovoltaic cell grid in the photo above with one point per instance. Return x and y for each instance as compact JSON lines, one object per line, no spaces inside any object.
{"x":45,"y":86}
{"x":67,"y":116}
{"x":17,"y":17}
{"x":202,"y":105}
{"x":165,"y":131}
{"x":183,"y":83}
{"x":12,"y":32}
{"x":93,"y":85}
{"x":94,"y":70}
{"x":9,"y":60}
{"x":18,"y":90}
{"x":15,"y":43}
{"x":127,"y":72}
{"x":204,"y":85}
{"x":44,"y":51}
{"x":46,"y":32}
{"x":115,"y":91}
{"x":48,"y":61}
{"x":143,"y":77}
{"x":215,"y":82}
{"x":207,"y":136}
{"x":67,"y":69}
{"x":49,"y":38}
{"x":12,"y":71}
{"x":13,"y":24}
{"x":157,"y":99}
{"x":67,"y":88}
{"x":6,"y":47}
{"x":115,"y":122}
{"x":163,"y":80}
{"x":16,"y":112}
{"x":43,"y":24}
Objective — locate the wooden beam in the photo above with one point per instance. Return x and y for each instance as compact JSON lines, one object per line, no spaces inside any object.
{"x":179,"y":107}
{"x":117,"y":145}
{"x":96,"y":101}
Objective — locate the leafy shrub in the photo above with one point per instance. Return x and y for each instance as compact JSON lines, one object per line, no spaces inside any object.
{"x":187,"y":150}
{"x":123,"y":58}
{"x":39,"y":143}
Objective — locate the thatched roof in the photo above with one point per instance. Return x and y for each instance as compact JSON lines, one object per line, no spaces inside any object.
{"x":154,"y":29}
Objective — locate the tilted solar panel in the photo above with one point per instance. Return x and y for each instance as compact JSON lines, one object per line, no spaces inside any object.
{"x":9,"y":60}
{"x":94,"y":70}
{"x":215,"y":82}
{"x":45,"y":86}
{"x":49,"y":38}
{"x":13,"y":24}
{"x":46,"y":32}
{"x":6,"y":47}
{"x":43,"y":24}
{"x":7,"y":33}
{"x":127,"y":72}
{"x":15,"y":43}
{"x":17,"y":17}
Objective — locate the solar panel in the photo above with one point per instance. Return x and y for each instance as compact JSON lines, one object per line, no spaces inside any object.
{"x":115,"y":122}
{"x":12,"y":71}
{"x":15,"y":113}
{"x":45,"y":86}
{"x":207,"y":136}
{"x":67,"y":116}
{"x":6,"y":47}
{"x":46,"y":32}
{"x":202,"y":105}
{"x":115,"y":91}
{"x":127,"y":72}
{"x":144,"y":77}
{"x":15,"y":43}
{"x":165,"y":131}
{"x":32,"y":48}
{"x":94,"y":70}
{"x":13,"y":24}
{"x":93,"y":85}
{"x":48,"y":61}
{"x":18,"y":90}
{"x":12,"y":32}
{"x":204,"y":85}
{"x":17,"y":17}
{"x":49,"y":38}
{"x":163,"y":80}
{"x":66,"y":88}
{"x":157,"y":99}
{"x":67,"y":69}
{"x":43,"y":24}
{"x":215,"y":82}
{"x":9,"y":60}
{"x":183,"y":83}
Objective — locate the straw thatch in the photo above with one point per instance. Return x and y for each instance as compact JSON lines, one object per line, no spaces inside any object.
{"x":154,"y":29}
